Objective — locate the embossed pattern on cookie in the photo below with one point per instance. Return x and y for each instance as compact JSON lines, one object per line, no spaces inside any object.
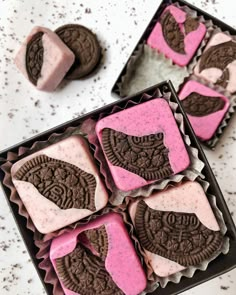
{"x":199,"y":105}
{"x":145,"y":156}
{"x":84,"y":44}
{"x":191,"y":24}
{"x":62,"y":183}
{"x":84,"y":273}
{"x":172,"y":33}
{"x":34,"y":57}
{"x":180,"y":237}
{"x":99,"y":240}
{"x":219,"y":56}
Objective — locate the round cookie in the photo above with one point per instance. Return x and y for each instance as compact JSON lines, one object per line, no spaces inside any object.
{"x":84,"y":44}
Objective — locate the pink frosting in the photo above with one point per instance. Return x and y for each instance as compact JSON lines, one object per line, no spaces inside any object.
{"x":204,"y":127}
{"x":121,"y":262}
{"x":147,"y":118}
{"x":191,"y":41}
{"x":47,"y":216}
{"x":188,"y":198}
{"x":57,"y":59}
{"x":213,"y":74}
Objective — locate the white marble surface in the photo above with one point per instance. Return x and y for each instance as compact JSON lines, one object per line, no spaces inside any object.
{"x":25,"y":111}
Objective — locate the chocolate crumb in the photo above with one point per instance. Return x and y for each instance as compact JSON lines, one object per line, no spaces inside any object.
{"x":224,"y":287}
{"x":36,"y":104}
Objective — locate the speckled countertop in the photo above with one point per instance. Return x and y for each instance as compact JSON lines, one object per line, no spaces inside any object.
{"x":25,"y":111}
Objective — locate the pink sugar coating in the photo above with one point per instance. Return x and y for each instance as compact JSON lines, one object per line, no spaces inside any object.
{"x":147,"y":118}
{"x":206,"y":126}
{"x":213,"y":74}
{"x":188,"y":198}
{"x":191,"y":41}
{"x":57,"y":59}
{"x":47,"y":216}
{"x":121,"y":262}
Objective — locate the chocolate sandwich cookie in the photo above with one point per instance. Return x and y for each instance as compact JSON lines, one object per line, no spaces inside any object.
{"x":84,"y":44}
{"x":177,"y":35}
{"x":177,"y":236}
{"x":34,"y":57}
{"x":60,"y":182}
{"x":44,"y":59}
{"x":198,"y":105}
{"x":217,"y":62}
{"x":205,"y":108}
{"x":84,"y":273}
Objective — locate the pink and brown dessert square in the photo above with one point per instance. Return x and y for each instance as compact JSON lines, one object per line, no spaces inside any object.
{"x":217,"y":64}
{"x":142,"y":144}
{"x":177,"y":35}
{"x":44,"y":59}
{"x":59,"y":184}
{"x":98,"y":258}
{"x":204,"y":107}
{"x":176,"y":228}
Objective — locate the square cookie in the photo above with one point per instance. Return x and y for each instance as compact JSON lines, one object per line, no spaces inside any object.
{"x":59,"y":184}
{"x":98,"y":258}
{"x":217,"y":64}
{"x":177,"y":228}
{"x":177,"y":35}
{"x":204,"y":107}
{"x":142,"y":144}
{"x":44,"y":59}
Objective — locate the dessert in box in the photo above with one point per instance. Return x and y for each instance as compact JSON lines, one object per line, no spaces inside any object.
{"x":177,"y":35}
{"x":182,"y":43}
{"x":204,"y":107}
{"x":98,"y":258}
{"x":171,"y":225}
{"x":44,"y":59}
{"x":217,"y":63}
{"x":59,"y":184}
{"x":176,"y":228}
{"x":142,"y":144}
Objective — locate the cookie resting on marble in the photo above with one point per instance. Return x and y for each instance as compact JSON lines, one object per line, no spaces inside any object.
{"x":84,"y":44}
{"x":204,"y":107}
{"x":217,"y":64}
{"x":44,"y":59}
{"x":142,"y":144}
{"x":98,"y":258}
{"x":177,"y":228}
{"x":177,"y":35}
{"x":60,"y":184}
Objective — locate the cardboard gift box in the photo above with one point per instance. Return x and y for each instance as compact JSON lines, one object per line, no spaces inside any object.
{"x":147,"y":66}
{"x":218,"y":266}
